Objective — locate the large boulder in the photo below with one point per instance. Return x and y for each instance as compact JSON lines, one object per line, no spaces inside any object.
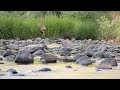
{"x":8,"y":52}
{"x":24,"y":57}
{"x":84,"y":60}
{"x":50,"y":58}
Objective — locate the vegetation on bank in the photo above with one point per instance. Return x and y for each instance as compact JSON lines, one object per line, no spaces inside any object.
{"x":61,"y":24}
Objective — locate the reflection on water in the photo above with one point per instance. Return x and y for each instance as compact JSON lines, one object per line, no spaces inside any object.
{"x":59,"y":71}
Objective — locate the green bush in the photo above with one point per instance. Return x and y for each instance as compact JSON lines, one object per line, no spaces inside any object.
{"x":86,"y":30}
{"x":109,"y":29}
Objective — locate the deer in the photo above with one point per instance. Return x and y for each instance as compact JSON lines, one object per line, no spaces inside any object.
{"x":42,"y":29}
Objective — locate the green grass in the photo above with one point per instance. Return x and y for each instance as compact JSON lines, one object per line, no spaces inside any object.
{"x":86,"y":30}
{"x":62,"y":27}
{"x":58,"y":27}
{"x":23,"y":28}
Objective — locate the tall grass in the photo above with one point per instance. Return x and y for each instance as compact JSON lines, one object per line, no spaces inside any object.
{"x":86,"y":30}
{"x":58,"y":27}
{"x":23,"y":28}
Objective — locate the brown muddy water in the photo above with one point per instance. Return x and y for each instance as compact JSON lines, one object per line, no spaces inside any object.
{"x":59,"y":71}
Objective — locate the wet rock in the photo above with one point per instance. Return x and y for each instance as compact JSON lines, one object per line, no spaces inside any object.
{"x":8,"y":52}
{"x":2,"y":63}
{"x":18,"y":75}
{"x":50,"y":58}
{"x":68,"y":66}
{"x":45,"y":69}
{"x":24,"y":58}
{"x":98,"y":70}
{"x":12,"y":71}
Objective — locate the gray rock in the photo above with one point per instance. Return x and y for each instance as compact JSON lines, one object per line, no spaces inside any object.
{"x":89,"y":53}
{"x":67,"y":43}
{"x":109,"y":55}
{"x":102,"y":47}
{"x":32,"y":48}
{"x":112,"y":61}
{"x":1,"y":52}
{"x":43,"y":61}
{"x":12,"y":46}
{"x":1,"y":58}
{"x":104,"y":66}
{"x":45,"y":69}
{"x":24,"y":58}
{"x":67,"y":59}
{"x":50,"y":58}
{"x":78,"y":56}
{"x":2,"y":74}
{"x":2,"y":63}
{"x":39,"y":52}
{"x":10,"y":58}
{"x":68,"y":66}
{"x":84,"y":60}
{"x":8,"y":52}
{"x":64,"y":52}
{"x":12,"y":71}
{"x":99,"y":54}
